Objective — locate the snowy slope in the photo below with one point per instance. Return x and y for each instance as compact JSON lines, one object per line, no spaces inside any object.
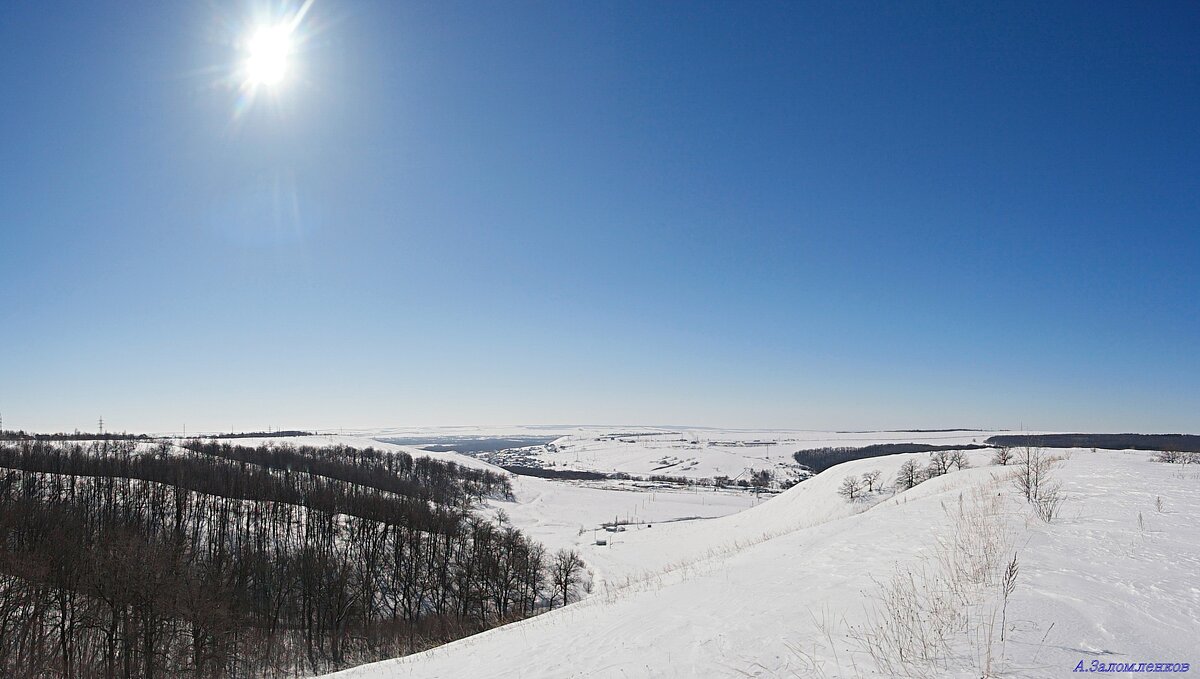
{"x":568,"y":513}
{"x":639,"y":553}
{"x":779,"y":589}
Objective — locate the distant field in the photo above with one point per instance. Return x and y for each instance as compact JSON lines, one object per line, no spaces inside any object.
{"x":468,"y":444}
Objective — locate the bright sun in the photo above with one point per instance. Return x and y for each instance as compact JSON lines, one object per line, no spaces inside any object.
{"x":268,"y":52}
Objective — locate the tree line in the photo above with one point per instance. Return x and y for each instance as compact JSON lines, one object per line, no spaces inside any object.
{"x":1179,"y":443}
{"x":120,"y":559}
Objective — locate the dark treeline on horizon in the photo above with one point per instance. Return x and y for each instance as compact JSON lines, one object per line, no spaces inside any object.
{"x":133,"y":559}
{"x":1183,"y":443}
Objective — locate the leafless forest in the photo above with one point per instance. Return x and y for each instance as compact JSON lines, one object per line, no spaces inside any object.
{"x":126,"y":558}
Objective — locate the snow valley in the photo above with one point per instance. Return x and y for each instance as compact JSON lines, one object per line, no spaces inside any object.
{"x":597,"y":551}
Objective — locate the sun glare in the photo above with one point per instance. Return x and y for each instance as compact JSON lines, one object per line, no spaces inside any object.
{"x":270,"y":45}
{"x":267,"y":55}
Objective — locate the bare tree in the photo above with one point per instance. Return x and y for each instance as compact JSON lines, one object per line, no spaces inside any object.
{"x":958,"y":460}
{"x":939,"y":463}
{"x":908,"y":476}
{"x":871,"y":479}
{"x":851,"y":488}
{"x":566,"y":572}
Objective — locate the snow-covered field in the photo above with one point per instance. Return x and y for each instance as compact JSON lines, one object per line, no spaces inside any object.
{"x":693,"y":453}
{"x":571,"y":513}
{"x":798,"y":585}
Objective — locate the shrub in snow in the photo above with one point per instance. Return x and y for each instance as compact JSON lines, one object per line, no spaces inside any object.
{"x":1032,"y":479}
{"x":1176,"y":457}
{"x":1002,"y":456}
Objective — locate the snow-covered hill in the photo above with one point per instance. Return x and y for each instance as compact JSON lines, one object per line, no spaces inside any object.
{"x":807,"y":584}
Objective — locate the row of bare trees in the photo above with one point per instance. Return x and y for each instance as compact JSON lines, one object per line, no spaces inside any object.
{"x":124,"y":560}
{"x":941,"y":461}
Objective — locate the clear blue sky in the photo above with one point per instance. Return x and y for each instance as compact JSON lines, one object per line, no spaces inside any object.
{"x":814,"y":215}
